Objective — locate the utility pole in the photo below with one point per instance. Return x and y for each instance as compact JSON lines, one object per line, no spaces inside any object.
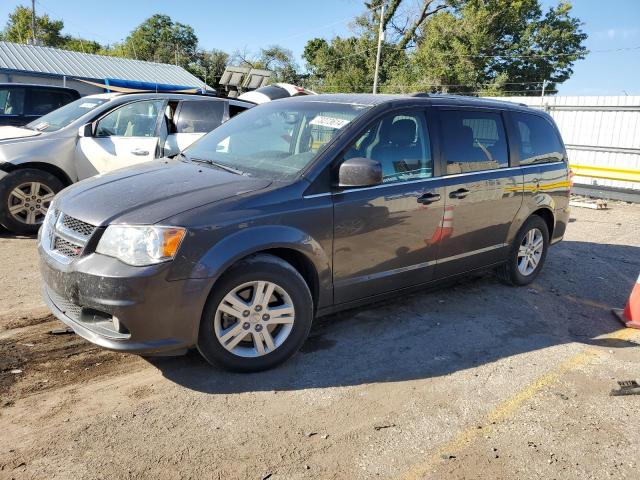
{"x":544,"y":87}
{"x":33,"y":22}
{"x":380,"y":39}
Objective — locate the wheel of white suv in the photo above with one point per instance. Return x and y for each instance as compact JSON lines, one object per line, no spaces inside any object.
{"x":527,"y":254}
{"x":25,"y":196}
{"x":258,"y":315}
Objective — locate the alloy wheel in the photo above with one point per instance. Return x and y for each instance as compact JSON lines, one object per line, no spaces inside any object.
{"x":530,"y":251}
{"x":254,"y":319}
{"x":28,"y":202}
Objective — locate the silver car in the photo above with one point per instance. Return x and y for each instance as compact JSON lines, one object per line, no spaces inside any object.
{"x":94,"y":135}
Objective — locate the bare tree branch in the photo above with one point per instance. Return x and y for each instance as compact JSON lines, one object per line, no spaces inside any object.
{"x":422,"y":16}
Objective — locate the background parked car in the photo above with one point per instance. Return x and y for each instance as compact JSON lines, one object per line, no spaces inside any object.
{"x":93,"y":135}
{"x":22,"y":103}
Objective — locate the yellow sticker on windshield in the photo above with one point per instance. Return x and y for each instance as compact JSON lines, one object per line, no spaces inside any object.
{"x":329,"y":122}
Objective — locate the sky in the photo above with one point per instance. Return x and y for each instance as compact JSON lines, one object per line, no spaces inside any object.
{"x":252,"y":24}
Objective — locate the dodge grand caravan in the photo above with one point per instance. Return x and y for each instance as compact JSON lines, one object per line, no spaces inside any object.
{"x":298,"y":208}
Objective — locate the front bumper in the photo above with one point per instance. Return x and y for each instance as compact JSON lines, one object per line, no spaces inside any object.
{"x":155,"y":315}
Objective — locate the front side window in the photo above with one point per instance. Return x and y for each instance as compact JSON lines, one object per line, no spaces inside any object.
{"x":473,"y":141}
{"x":136,"y":119}
{"x":201,"y":116}
{"x":276,"y":139}
{"x":400,"y":143}
{"x":64,"y":116}
{"x":539,"y":142}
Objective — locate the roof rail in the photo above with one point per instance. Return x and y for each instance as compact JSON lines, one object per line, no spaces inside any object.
{"x":419,"y":94}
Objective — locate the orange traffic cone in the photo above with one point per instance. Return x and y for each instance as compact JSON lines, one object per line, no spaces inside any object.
{"x":630,"y":316}
{"x":445,"y":229}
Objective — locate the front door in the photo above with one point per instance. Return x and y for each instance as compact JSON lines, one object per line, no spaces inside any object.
{"x":482,"y":192}
{"x":125,"y":136}
{"x":385,"y":237}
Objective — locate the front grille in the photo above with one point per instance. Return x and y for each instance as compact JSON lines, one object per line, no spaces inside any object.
{"x":66,"y":248}
{"x":78,"y":226}
{"x":65,"y":237}
{"x":67,"y":307}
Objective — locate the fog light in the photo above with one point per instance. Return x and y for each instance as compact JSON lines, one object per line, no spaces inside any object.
{"x":116,"y":323}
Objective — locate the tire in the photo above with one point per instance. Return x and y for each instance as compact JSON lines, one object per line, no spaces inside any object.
{"x":248,"y":324}
{"x":511,"y":272}
{"x":28,"y":220}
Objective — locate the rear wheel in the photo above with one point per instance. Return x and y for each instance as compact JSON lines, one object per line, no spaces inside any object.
{"x":527,"y":254}
{"x":25,"y":197}
{"x":258,"y":315}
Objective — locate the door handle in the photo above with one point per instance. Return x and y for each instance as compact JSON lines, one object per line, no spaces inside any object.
{"x":428,"y":198}
{"x":460,"y":193}
{"x":140,"y":152}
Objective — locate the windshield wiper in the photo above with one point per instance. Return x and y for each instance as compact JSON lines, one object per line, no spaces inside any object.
{"x":221,"y":166}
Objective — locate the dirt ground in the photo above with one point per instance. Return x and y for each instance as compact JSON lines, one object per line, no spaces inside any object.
{"x":475,"y":380}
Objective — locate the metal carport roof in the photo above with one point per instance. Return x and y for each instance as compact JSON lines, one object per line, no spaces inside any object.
{"x":54,"y":61}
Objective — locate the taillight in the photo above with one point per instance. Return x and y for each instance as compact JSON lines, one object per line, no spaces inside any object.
{"x":571,"y":174}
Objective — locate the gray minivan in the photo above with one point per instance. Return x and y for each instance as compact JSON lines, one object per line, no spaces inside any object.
{"x":299,"y":208}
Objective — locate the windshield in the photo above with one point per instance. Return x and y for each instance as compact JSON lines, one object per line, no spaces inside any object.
{"x":63,"y":116}
{"x":275,"y":140}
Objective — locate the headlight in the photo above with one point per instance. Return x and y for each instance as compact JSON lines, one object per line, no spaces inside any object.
{"x":143,"y":245}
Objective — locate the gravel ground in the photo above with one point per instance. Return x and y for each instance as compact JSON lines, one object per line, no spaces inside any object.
{"x":475,"y":380}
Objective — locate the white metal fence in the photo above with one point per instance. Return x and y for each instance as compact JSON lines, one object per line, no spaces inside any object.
{"x":602,"y":136}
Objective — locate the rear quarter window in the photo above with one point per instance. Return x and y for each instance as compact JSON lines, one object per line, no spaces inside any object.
{"x":539,"y":141}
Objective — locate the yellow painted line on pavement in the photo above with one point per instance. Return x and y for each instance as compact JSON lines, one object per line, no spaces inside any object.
{"x":508,"y":407}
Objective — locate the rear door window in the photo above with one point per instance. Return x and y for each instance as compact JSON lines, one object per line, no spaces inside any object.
{"x":473,"y":141}
{"x":201,"y":116}
{"x":539,"y":142}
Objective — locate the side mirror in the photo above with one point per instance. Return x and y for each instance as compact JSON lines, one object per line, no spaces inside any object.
{"x":360,"y":172}
{"x":86,"y":130}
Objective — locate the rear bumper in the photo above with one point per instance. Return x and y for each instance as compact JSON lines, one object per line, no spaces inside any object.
{"x":155,"y":315}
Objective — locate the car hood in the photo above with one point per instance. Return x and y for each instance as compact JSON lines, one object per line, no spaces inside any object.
{"x":151,"y":192}
{"x":10,"y":133}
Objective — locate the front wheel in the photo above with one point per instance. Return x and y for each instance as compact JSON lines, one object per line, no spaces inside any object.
{"x":25,"y":196}
{"x":258,"y":315}
{"x":527,"y":254}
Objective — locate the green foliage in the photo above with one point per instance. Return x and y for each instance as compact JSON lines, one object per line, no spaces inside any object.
{"x":479,"y":47}
{"x":209,"y":66}
{"x":275,"y":58}
{"x":18,"y":28}
{"x":160,"y":39}
{"x":497,"y":47}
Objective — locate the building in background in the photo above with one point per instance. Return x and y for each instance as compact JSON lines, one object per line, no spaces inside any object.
{"x":602,"y":136}
{"x":90,"y":73}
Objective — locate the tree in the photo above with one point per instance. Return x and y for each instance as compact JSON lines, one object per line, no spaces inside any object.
{"x":274,"y":58}
{"x":18,"y":28}
{"x":496,"y":47}
{"x":81,"y":45}
{"x":209,"y":66}
{"x":160,"y":39}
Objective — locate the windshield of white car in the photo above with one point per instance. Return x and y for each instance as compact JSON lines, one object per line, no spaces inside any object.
{"x":63,"y":116}
{"x":275,"y":140}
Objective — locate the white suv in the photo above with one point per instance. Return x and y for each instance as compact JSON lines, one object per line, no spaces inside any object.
{"x":94,"y":135}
